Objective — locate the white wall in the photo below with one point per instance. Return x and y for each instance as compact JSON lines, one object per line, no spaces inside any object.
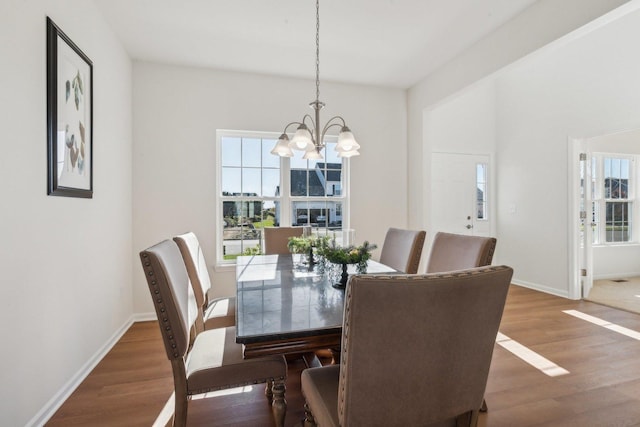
{"x":65,"y":262}
{"x":540,"y":24}
{"x":464,"y":124}
{"x":578,"y":89}
{"x":177,"y":111}
{"x":586,"y":87}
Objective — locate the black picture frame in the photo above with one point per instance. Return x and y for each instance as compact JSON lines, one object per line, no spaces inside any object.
{"x":69,"y":117}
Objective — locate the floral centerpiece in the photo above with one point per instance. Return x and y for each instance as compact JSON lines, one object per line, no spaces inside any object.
{"x":343,"y":256}
{"x":305,"y":245}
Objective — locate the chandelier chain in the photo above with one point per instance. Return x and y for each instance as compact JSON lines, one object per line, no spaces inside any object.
{"x":317,"y":50}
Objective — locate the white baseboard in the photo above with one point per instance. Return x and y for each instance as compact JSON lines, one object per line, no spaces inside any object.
{"x":144,"y":317}
{"x":63,"y":394}
{"x":541,"y":288}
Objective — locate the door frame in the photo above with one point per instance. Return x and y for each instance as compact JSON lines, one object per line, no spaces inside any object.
{"x":580,"y":256}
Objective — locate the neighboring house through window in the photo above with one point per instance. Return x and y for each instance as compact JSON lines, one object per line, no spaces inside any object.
{"x":257,"y":189}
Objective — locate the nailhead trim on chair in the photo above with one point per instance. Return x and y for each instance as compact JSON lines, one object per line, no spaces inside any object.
{"x":161,"y":307}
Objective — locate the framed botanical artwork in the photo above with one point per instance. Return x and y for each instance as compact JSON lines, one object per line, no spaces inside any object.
{"x":69,"y":117}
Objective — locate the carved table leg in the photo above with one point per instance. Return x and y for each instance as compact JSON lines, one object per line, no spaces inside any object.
{"x":279,"y":404}
{"x":268,"y":391}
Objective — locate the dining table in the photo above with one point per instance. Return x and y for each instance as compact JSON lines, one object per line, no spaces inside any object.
{"x":284,"y":306}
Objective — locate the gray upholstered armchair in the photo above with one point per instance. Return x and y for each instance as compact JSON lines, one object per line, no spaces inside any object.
{"x":217,"y":312}
{"x":402,"y":249}
{"x":416,"y":350}
{"x":450,"y":252}
{"x":213,"y":361}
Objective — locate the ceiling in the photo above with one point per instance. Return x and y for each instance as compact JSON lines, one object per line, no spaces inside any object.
{"x":391,"y":43}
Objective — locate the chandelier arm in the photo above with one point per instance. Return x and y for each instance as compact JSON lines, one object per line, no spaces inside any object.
{"x":308,"y":116}
{"x":292,"y":123}
{"x":331,"y":123}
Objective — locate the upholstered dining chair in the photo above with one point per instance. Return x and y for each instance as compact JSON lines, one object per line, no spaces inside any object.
{"x":402,"y":249}
{"x":217,"y":312}
{"x":276,"y":239}
{"x":451,"y":252}
{"x":213,"y":361}
{"x":425,"y":364}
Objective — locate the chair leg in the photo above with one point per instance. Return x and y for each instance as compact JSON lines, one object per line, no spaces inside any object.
{"x":279,"y":404}
{"x":180,"y":410}
{"x":468,"y":419}
{"x":181,"y":396}
{"x":309,"y":421}
{"x":474,"y":418}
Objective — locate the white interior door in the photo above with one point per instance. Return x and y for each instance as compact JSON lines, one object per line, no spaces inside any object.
{"x":461,"y":199}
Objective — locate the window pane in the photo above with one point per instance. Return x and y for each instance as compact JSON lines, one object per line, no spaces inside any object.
{"x":251,"y":182}
{"x":239,"y":233}
{"x":297,"y":162}
{"x":618,"y":225}
{"x":251,"y":152}
{"x":300,"y":213}
{"x":230,"y":151}
{"x":325,"y":179}
{"x":299,"y":178}
{"x":330,"y":154}
{"x":231,"y":181}
{"x":616,"y":178}
{"x":268,"y":159}
{"x":481,"y":191}
{"x":270,"y":182}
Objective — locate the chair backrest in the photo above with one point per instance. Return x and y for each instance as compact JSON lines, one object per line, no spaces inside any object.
{"x":402,"y":249}
{"x":196,"y":266}
{"x":450,"y":252}
{"x":416,"y":349}
{"x":172,"y":295}
{"x":276,"y":239}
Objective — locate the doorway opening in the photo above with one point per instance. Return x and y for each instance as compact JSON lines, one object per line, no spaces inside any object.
{"x":604,"y":219}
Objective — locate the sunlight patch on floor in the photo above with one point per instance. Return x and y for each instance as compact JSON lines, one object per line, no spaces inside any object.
{"x":605,"y":324}
{"x":165,"y":415}
{"x":531,"y":357}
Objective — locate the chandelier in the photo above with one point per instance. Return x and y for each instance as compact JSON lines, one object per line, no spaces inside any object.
{"x":309,"y":136}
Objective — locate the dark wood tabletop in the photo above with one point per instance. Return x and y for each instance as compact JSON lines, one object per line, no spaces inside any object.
{"x":282,"y":307}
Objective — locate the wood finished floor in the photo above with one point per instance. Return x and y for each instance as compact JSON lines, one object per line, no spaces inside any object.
{"x":132,"y":384}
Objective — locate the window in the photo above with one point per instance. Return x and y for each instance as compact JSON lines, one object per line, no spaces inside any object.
{"x":481,"y":191}
{"x":613,"y":192}
{"x":258,"y":189}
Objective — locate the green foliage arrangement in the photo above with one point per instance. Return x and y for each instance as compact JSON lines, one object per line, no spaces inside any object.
{"x":302,"y":245}
{"x":348,"y":255}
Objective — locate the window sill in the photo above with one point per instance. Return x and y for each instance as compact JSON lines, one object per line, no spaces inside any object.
{"x":616,"y":245}
{"x":224,"y":268}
